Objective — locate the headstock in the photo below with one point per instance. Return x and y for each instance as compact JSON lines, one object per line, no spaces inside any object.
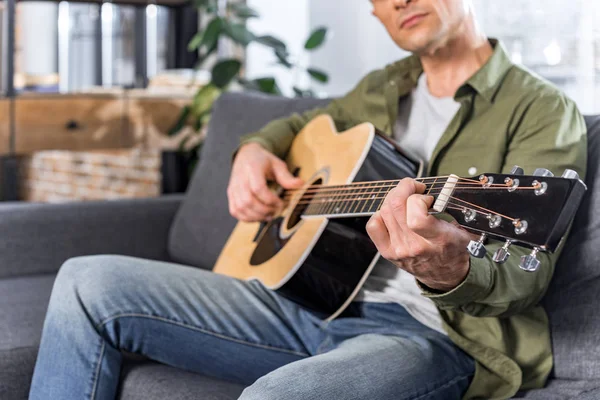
{"x":533,"y":211}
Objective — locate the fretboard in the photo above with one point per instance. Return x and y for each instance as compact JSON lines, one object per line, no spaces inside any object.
{"x":358,"y":199}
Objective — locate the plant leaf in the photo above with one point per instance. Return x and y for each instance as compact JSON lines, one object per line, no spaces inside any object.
{"x":195,"y":41}
{"x":212,"y":33}
{"x":204,"y":99}
{"x":268,"y":85}
{"x":264,"y":85}
{"x":239,"y":33}
{"x":318,"y":75}
{"x":298,"y":92}
{"x":303,"y":93}
{"x":316,"y":39}
{"x":181,"y":121}
{"x":282,"y":56}
{"x":224,"y":72}
{"x":271,"y":41}
{"x":243,"y":11}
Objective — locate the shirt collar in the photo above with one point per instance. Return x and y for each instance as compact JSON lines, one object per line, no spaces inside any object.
{"x":486,"y":81}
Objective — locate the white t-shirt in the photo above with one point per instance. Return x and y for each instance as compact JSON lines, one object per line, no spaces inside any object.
{"x":422,"y":119}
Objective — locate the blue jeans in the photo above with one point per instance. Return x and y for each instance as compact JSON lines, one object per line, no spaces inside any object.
{"x":238,"y":331}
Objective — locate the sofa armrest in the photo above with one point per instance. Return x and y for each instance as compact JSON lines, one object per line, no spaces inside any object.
{"x":38,"y":238}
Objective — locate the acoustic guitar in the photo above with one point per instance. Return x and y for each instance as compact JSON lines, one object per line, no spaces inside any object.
{"x":316,"y":251}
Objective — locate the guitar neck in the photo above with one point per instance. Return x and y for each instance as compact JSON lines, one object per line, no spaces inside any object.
{"x":358,"y":199}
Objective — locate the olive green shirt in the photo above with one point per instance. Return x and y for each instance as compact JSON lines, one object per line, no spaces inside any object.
{"x":508,"y":116}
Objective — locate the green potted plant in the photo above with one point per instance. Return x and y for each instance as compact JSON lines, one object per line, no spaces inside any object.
{"x":226,"y":24}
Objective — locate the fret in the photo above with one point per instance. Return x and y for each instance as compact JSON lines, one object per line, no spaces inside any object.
{"x":382,"y":195}
{"x":376,"y":201}
{"x":431,"y":186}
{"x":372,"y":197}
{"x":341,"y":201}
{"x":347,"y":206}
{"x":325,"y":202}
{"x":333,"y":201}
{"x":352,"y":199}
{"x":361,"y":195}
{"x":365,"y":196}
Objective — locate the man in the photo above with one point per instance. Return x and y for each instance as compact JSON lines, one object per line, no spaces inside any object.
{"x":431,"y":323}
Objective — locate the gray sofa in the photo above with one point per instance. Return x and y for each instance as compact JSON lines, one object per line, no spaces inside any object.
{"x":35,"y":239}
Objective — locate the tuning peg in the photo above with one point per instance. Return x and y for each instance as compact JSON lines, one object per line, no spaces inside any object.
{"x":516,"y":170}
{"x":530,"y":263}
{"x":502,"y":254}
{"x":570,"y":174}
{"x":476,"y":248}
{"x":543,"y":172}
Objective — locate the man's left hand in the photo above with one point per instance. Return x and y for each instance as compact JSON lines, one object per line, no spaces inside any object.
{"x":432,"y":250}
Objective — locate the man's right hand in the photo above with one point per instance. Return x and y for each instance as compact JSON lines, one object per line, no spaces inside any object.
{"x":250,"y":199}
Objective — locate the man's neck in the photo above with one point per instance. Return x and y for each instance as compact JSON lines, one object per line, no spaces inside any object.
{"x":450,"y":65}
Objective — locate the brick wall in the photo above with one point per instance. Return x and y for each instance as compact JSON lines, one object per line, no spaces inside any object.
{"x":58,"y":176}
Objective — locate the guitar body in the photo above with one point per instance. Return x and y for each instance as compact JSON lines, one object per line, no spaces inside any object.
{"x":318,"y":262}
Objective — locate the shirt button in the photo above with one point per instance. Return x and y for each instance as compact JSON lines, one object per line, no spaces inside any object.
{"x":472,"y":171}
{"x":392,"y":83}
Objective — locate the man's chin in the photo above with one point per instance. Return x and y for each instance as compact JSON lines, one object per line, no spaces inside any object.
{"x":420,"y":43}
{"x":416,"y":46}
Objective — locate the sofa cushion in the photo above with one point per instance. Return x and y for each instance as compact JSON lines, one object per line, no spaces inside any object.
{"x":23,"y":306}
{"x":558,"y":389}
{"x":150,"y":381}
{"x":572,"y":299}
{"x":16,"y":370}
{"x":203,"y":223}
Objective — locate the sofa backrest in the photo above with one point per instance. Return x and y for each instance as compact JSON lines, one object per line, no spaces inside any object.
{"x":572,"y":299}
{"x":203,"y":223}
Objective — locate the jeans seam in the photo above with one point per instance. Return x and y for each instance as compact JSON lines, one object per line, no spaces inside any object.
{"x":97,"y":373}
{"x":205,"y":331}
{"x":449,"y":383}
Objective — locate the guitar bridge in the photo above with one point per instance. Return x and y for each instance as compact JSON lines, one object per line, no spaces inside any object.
{"x":443,"y":198}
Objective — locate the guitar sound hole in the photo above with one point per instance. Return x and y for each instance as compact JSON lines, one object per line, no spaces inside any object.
{"x":304,"y":202}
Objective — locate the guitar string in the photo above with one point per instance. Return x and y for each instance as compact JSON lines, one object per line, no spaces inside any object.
{"x":358,"y":185}
{"x":352,"y":196}
{"x":391,"y":183}
{"x":288,"y":194}
{"x":449,"y":199}
{"x":451,"y":205}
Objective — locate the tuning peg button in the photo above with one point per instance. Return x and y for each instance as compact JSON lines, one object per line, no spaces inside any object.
{"x":530,"y":263}
{"x":516,"y":170}
{"x":501,"y":255}
{"x":476,"y":248}
{"x":543,"y":172}
{"x":570,"y":174}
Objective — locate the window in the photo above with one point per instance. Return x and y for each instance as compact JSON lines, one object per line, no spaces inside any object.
{"x":558,"y":40}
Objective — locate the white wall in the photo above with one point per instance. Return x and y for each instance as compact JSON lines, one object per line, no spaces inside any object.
{"x":358,"y":45}
{"x":285,"y":19}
